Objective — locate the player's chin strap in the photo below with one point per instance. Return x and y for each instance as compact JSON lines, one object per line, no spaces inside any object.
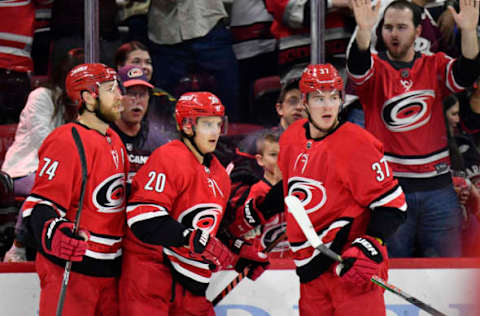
{"x":207,"y":158}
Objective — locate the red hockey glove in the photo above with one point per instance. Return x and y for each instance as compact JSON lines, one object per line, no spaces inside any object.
{"x":210,"y":249}
{"x":365,"y":258}
{"x":251,"y":257}
{"x":58,"y":240}
{"x":248,"y":218}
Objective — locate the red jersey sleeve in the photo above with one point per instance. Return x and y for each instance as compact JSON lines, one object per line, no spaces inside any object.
{"x":370,"y":180}
{"x":154,"y":188}
{"x":58,"y":176}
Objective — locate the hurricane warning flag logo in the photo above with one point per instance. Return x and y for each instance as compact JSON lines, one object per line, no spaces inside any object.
{"x":408,"y":111}
{"x":310,"y":192}
{"x":204,"y":216}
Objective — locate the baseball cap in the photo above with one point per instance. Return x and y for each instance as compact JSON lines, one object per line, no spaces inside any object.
{"x":132,"y":75}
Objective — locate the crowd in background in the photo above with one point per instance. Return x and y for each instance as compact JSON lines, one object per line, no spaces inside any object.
{"x":250,"y":53}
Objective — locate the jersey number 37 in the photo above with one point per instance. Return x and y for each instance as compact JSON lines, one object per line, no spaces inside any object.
{"x":382,"y":170}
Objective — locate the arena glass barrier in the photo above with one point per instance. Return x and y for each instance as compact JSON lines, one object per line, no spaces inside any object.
{"x":449,"y":285}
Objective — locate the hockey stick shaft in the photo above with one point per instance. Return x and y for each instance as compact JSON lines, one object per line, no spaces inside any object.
{"x":295,"y":207}
{"x":240,"y":276}
{"x":68,"y":265}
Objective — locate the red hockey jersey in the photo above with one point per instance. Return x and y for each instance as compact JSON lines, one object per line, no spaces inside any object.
{"x":58,"y":184}
{"x":340,"y":179}
{"x":403,"y":109}
{"x":17,"y":18}
{"x":173,"y":183}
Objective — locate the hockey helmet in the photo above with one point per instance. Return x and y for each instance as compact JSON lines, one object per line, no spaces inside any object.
{"x":87,"y":77}
{"x":192,"y":105}
{"x":320,"y":77}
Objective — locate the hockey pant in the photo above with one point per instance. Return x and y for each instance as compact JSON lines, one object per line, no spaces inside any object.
{"x":147,"y":287}
{"x":328,"y":296}
{"x":86,"y":295}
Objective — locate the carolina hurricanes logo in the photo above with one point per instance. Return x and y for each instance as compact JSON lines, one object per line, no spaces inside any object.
{"x":203,"y":216}
{"x":310,"y":192}
{"x":271,"y":233}
{"x":109,"y":195}
{"x":408,"y":111}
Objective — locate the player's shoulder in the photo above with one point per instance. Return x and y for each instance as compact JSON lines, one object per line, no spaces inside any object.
{"x":357,"y":136}
{"x":294,"y":132}
{"x":63,"y":133}
{"x":174,"y":151}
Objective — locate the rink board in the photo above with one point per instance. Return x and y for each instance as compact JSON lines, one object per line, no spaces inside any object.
{"x":449,"y":285}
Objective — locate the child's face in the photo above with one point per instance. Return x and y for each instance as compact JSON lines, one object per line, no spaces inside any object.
{"x":268,"y":160}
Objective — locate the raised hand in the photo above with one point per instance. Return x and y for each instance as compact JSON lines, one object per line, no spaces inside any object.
{"x":365,"y":14}
{"x":467,"y":18}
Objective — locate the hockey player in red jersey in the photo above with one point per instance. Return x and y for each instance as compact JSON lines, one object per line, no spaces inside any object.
{"x":401,"y":92}
{"x":51,"y":208}
{"x":339,"y":172}
{"x":177,"y":203}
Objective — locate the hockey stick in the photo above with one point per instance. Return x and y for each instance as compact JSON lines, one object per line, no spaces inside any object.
{"x":240,"y":276}
{"x":68,"y":265}
{"x":295,"y":207}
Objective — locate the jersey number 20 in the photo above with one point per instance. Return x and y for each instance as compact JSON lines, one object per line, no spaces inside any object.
{"x":158,"y":179}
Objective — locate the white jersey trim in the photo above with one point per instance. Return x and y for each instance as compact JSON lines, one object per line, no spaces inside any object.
{"x":387,"y":199}
{"x":14,"y":51}
{"x":160,"y":211}
{"x":417,"y":161}
{"x":103,"y":256}
{"x":191,"y":262}
{"x":105,"y":241}
{"x":189,"y":274}
{"x":420,"y":175}
{"x":16,"y":38}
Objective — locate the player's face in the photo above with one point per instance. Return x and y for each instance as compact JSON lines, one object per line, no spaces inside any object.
{"x":399,"y":33}
{"x":110,"y":100}
{"x":324,"y":107}
{"x":207,"y":132}
{"x":268,"y":160}
{"x":142,"y":59}
{"x":135,"y":104}
{"x":453,"y":116}
{"x":291,"y":109}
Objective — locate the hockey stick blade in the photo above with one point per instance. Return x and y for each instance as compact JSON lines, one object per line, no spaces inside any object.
{"x":240,"y":276}
{"x":296,"y":208}
{"x":68,"y":265}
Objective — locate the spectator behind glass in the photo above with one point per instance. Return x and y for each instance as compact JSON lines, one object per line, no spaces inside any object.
{"x":47,"y":108}
{"x":432,"y":39}
{"x":17,"y":19}
{"x":140,"y":139}
{"x":403,"y":109}
{"x":67,"y":28}
{"x":253,"y":220}
{"x":193,"y":32}
{"x":161,"y":104}
{"x":254,"y":46}
{"x":464,"y":158}
{"x":291,"y":26}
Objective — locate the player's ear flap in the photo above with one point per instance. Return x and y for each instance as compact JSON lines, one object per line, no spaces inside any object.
{"x":90,"y":98}
{"x":187,"y":129}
